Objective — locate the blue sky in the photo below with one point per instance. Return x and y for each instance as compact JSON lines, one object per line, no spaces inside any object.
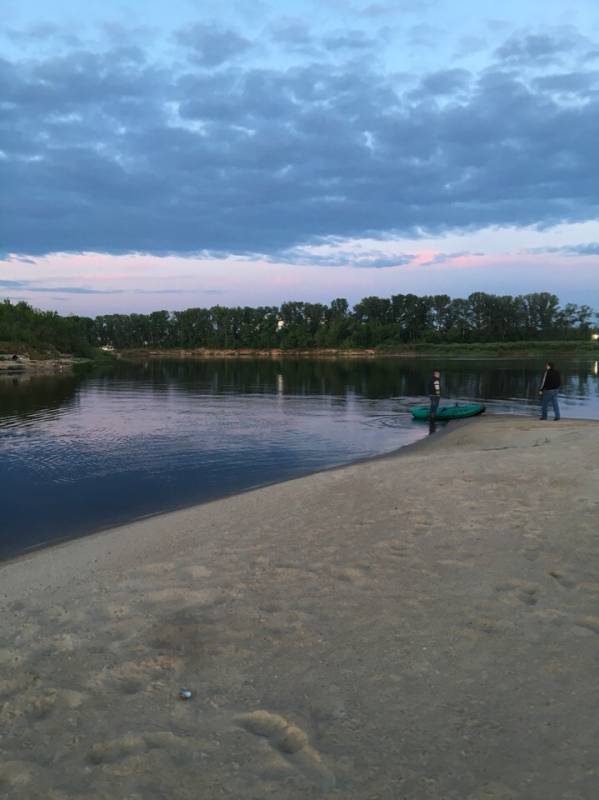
{"x":187,"y":153}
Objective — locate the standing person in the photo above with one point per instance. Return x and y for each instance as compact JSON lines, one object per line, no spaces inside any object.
{"x":548,"y":390}
{"x":434,"y":391}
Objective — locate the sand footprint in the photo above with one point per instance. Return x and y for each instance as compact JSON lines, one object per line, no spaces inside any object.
{"x":520,"y":591}
{"x":37,"y":703}
{"x":357,"y":575}
{"x":492,"y":791}
{"x":292,"y":742}
{"x":590,"y":623}
{"x":132,"y":677}
{"x":563,"y":580}
{"x":394,"y":550}
{"x":123,"y":747}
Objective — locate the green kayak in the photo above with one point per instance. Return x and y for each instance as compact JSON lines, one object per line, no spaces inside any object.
{"x":449,"y":412}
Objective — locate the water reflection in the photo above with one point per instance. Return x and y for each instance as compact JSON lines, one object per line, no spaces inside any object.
{"x":24,"y":398}
{"x":373,"y":378}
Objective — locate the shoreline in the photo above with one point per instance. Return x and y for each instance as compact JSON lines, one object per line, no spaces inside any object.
{"x":422,"y":624}
{"x":445,"y":352}
{"x":40,"y":366}
{"x":406,"y":449}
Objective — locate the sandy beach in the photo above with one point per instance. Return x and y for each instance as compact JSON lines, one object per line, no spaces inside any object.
{"x":419,"y":626}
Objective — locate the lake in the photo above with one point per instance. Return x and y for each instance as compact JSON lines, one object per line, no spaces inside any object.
{"x":85,"y":451}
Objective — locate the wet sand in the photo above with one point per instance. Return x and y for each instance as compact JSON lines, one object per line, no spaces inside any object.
{"x":424,"y":625}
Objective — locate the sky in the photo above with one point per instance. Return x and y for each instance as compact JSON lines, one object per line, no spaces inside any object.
{"x":193,"y":153}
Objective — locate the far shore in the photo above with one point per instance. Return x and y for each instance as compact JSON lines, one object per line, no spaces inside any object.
{"x":510,"y":350}
{"x":40,"y":366}
{"x":52,"y":363}
{"x":422,"y":625}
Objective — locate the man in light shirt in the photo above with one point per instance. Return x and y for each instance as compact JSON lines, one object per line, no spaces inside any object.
{"x":434,"y":391}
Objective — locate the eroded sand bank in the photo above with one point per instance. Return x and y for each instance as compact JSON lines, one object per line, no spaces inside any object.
{"x":420,"y":626}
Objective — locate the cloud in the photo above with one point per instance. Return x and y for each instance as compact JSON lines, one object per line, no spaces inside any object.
{"x":19,"y":259}
{"x":296,"y":36}
{"x":587,"y":249}
{"x":42,"y":33}
{"x":584,"y":249}
{"x":333,"y":254}
{"x":211,"y":45}
{"x":119,"y":32}
{"x":28,"y":286}
{"x":397,"y":7}
{"x":373,"y":259}
{"x":591,"y":249}
{"x":179,"y":291}
{"x":292,"y":33}
{"x":447,"y":258}
{"x":424,"y":35}
{"x":469,"y":44}
{"x":582,"y":84}
{"x":349,"y":40}
{"x":445,"y":82}
{"x":539,"y":48}
{"x":110,"y":151}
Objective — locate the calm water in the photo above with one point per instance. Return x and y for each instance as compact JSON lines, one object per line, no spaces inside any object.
{"x":82,"y":452}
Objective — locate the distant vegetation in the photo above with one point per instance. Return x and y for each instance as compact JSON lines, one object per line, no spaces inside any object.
{"x":403,"y":321}
{"x":43,"y":333}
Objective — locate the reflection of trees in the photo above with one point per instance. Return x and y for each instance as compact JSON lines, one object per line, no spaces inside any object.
{"x":298,"y":376}
{"x":581,"y":383}
{"x":25,"y":395}
{"x":503,"y":379}
{"x":370,"y":378}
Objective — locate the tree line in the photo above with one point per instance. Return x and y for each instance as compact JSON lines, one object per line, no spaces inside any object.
{"x":402,"y":319}
{"x":24,"y":328}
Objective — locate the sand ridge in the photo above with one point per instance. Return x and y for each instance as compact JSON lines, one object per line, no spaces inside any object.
{"x":423,"y":625}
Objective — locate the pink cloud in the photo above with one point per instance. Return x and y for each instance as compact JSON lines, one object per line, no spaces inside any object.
{"x":142,"y":283}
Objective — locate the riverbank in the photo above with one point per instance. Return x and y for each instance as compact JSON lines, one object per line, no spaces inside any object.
{"x":40,"y":366}
{"x":481,"y":350}
{"x":419,"y":626}
{"x":17,"y":361}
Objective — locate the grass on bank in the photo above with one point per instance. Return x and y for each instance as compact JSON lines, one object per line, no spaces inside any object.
{"x":545,"y":349}
{"x":36,"y":352}
{"x":523,"y":349}
{"x":497,"y":349}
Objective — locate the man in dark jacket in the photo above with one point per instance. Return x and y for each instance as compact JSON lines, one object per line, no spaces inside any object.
{"x":548,"y":390}
{"x":434,"y":391}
